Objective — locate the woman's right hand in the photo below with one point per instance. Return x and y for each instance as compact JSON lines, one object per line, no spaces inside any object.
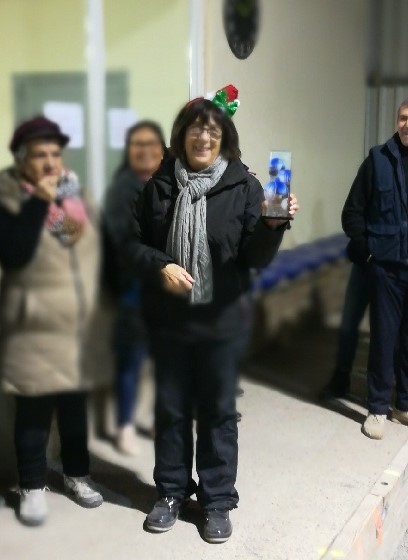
{"x":176,"y":279}
{"x":46,"y":188}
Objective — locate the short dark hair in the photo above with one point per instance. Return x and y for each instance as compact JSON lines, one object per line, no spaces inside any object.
{"x":403,"y":105}
{"x":203,"y":110}
{"x":150,"y":125}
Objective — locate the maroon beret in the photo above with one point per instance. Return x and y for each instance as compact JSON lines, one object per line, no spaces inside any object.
{"x":36,"y":129}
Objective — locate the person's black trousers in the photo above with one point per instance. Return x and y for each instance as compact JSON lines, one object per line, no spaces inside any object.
{"x":388,"y":355}
{"x":199,"y":376}
{"x":32,"y":429}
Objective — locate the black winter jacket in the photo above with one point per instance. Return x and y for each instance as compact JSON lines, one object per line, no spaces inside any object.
{"x":355,"y":215}
{"x":20,"y":233}
{"x":117,"y":225}
{"x":238,"y":240}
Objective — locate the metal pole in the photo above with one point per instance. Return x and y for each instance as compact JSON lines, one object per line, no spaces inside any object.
{"x":95,"y":58}
{"x":196,"y":50}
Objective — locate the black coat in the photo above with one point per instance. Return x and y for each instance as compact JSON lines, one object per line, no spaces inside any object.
{"x":238,"y":240}
{"x":359,"y":201}
{"x":118,"y":277}
{"x":117,"y":224}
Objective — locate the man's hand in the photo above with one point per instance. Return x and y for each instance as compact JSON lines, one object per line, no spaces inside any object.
{"x":274,"y":223}
{"x":46,"y":188}
{"x":176,"y":280}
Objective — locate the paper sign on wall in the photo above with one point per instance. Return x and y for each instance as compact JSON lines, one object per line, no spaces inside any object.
{"x":70,"y":117}
{"x":119,"y":120}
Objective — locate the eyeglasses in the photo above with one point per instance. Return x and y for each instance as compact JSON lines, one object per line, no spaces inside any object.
{"x":197,"y":131}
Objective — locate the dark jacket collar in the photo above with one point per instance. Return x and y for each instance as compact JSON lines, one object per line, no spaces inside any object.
{"x":235,"y":173}
{"x":393,"y":145}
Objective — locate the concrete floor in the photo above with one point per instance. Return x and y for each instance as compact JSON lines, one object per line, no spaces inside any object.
{"x":303,"y":471}
{"x":402,"y":551}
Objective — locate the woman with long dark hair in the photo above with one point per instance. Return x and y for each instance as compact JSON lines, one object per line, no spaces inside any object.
{"x":144,"y":151}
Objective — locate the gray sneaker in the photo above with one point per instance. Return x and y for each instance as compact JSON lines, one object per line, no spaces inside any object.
{"x":33,"y":507}
{"x":80,"y":489}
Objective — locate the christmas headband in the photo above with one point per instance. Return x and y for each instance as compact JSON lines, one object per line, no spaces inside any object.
{"x":225,"y":98}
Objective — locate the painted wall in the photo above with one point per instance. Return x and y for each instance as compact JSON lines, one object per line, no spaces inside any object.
{"x":147,"y":39}
{"x":48,"y":38}
{"x":150,"y":40}
{"x":302,"y":90}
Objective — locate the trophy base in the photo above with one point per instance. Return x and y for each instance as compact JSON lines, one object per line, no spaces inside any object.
{"x":277,"y":217}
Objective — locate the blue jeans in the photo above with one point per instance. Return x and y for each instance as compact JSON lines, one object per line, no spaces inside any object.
{"x":127,"y":381}
{"x":130,"y":352}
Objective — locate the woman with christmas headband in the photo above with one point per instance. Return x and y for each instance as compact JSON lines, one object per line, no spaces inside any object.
{"x":198,"y":231}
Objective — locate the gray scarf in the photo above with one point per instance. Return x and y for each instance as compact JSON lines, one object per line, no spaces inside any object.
{"x":187,"y":242}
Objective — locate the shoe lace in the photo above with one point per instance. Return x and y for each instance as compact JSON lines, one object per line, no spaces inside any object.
{"x":82,"y":484}
{"x":167,"y":503}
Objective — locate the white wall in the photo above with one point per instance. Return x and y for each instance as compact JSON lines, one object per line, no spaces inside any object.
{"x":150,"y":40}
{"x":303,"y":90}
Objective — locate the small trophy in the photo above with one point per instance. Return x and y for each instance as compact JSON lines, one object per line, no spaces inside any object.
{"x":277,"y":190}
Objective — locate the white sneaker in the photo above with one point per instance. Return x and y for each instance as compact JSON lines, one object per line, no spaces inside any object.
{"x":126,"y":441}
{"x":399,"y":416}
{"x":33,"y":507}
{"x":82,"y":492}
{"x":374,"y":426}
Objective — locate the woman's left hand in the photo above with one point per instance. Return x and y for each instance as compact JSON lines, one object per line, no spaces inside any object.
{"x":274,"y":223}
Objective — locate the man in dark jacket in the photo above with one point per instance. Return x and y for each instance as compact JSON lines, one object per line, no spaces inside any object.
{"x":375,"y":217}
{"x":144,"y":152}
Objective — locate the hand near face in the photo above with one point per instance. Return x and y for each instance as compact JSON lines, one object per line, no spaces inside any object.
{"x":176,"y":279}
{"x":46,"y":188}
{"x":273,"y":223}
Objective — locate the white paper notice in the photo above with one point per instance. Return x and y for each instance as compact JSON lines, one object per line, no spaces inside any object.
{"x":70,"y":117}
{"x":119,"y":120}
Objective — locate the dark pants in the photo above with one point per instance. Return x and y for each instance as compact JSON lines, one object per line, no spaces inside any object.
{"x":130,"y":352}
{"x":355,"y":305}
{"x":388,"y":356}
{"x":129,"y":366}
{"x":32,"y":428}
{"x":201,"y":375}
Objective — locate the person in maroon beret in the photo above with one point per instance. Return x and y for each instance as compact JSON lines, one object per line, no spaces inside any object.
{"x":50,"y":263}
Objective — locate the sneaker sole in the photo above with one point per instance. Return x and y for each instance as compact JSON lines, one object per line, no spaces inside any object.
{"x":86,"y":505}
{"x":156,"y":529}
{"x":216,"y":540}
{"x":370,"y":436}
{"x":32,"y":522}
